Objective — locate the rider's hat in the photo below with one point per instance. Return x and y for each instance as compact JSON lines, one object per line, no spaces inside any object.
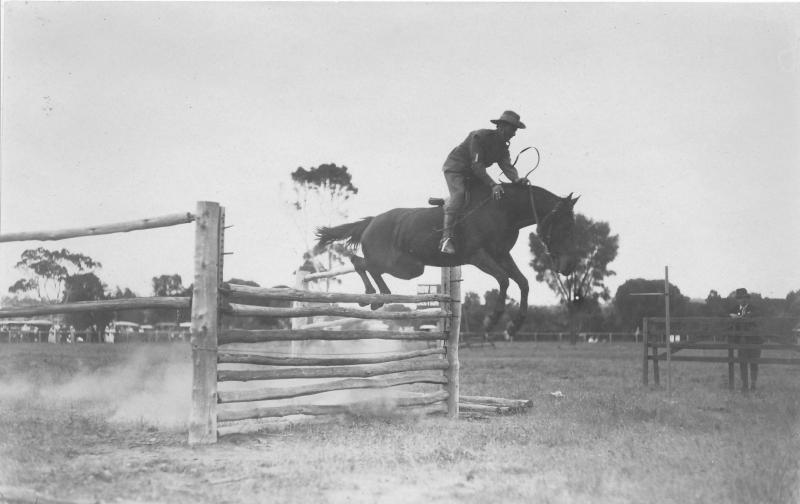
{"x":510,"y":117}
{"x":741,"y":293}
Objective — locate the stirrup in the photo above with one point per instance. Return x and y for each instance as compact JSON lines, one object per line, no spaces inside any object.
{"x":447,"y":246}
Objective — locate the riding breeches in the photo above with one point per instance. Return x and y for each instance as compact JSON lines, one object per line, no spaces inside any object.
{"x":457,"y":184}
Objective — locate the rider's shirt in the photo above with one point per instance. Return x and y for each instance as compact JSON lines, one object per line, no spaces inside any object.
{"x":481,"y":147}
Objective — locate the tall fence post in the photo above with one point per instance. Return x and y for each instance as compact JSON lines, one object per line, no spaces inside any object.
{"x":451,"y":281}
{"x":205,"y":322}
{"x":645,"y":351}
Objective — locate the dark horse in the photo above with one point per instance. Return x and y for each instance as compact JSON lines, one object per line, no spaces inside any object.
{"x":402,"y":241}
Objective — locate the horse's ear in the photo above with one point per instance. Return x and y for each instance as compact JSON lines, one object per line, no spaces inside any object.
{"x":575,"y":200}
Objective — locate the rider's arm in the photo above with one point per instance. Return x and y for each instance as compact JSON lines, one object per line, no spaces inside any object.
{"x":477,"y":158}
{"x":508,"y":168}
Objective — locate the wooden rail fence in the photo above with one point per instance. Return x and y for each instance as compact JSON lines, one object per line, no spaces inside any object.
{"x":428,"y":366}
{"x":717,"y":339}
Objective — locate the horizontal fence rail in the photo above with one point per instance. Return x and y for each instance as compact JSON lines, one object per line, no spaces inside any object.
{"x":90,"y":306}
{"x":122,"y":227}
{"x":224,"y":357}
{"x":245,"y":295}
{"x":328,"y":274}
{"x":224,"y":415}
{"x":336,"y":311}
{"x":266,"y":335}
{"x":364,"y":371}
{"x":271,"y":393}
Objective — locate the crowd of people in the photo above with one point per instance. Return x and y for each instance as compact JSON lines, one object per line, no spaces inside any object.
{"x":40,"y":332}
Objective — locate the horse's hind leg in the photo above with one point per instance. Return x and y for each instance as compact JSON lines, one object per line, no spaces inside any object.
{"x":361,"y":268}
{"x":483,"y":261}
{"x":507,"y":263}
{"x":382,"y":287}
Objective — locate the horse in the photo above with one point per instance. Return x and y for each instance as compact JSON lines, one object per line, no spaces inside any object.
{"x":402,"y":241}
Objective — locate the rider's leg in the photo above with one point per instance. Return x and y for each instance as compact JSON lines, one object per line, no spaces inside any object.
{"x":457,"y":187}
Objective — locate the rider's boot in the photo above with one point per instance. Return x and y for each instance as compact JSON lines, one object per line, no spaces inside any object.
{"x":447,"y":245}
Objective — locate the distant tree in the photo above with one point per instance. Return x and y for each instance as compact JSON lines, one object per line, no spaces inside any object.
{"x":716,"y":306}
{"x":581,"y":290}
{"x":169,"y":286}
{"x":321,"y":194}
{"x":792,"y":305}
{"x":86,"y":287}
{"x":631,"y":309}
{"x":47,"y":271}
{"x":472,"y":312}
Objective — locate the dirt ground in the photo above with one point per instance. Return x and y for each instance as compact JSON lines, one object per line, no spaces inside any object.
{"x":102,"y":423}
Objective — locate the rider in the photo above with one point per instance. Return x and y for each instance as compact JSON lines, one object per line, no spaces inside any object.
{"x":481,"y":149}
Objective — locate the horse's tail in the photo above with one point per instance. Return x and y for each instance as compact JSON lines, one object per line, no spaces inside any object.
{"x":351,"y":231}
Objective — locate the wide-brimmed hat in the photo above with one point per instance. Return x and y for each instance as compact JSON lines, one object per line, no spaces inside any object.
{"x":510,"y":117}
{"x":741,"y":293}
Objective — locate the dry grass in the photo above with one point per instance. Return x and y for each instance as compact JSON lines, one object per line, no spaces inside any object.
{"x":99,"y":422}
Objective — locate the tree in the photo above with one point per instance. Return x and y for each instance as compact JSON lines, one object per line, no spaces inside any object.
{"x":321,"y":194}
{"x":472,"y":312}
{"x":631,"y":309}
{"x":581,"y":290}
{"x":715,"y":305}
{"x":792,"y":306}
{"x":169,"y":286}
{"x":86,"y":287}
{"x":47,"y":271}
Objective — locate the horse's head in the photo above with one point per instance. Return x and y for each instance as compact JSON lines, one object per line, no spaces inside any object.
{"x":557,"y":232}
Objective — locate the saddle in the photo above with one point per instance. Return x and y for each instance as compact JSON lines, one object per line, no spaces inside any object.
{"x":467,"y":195}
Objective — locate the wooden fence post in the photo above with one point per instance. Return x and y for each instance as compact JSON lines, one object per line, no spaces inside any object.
{"x":205,"y":322}
{"x":645,"y":351}
{"x":451,"y":281}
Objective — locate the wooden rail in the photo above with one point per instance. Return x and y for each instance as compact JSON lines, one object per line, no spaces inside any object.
{"x":266,"y":335}
{"x":364,"y":371}
{"x":336,"y":311}
{"x":328,"y":274}
{"x":269,"y":393}
{"x":244,"y":294}
{"x":325,"y":409}
{"x":224,"y":357}
{"x":122,"y":227}
{"x":91,"y":306}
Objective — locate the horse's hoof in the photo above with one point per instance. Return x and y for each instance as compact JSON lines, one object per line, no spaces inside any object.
{"x":375,"y":306}
{"x":363,"y":304}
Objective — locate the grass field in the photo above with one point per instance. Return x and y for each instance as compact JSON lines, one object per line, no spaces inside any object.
{"x":106,"y":423}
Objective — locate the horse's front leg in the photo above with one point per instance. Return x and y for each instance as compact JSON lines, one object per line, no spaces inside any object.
{"x":483,"y":261}
{"x":361,"y":268}
{"x":508,"y":264}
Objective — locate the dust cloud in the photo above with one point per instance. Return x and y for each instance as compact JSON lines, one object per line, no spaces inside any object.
{"x":152,"y":387}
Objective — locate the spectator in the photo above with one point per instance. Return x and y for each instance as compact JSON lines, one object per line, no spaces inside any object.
{"x":745,"y":335}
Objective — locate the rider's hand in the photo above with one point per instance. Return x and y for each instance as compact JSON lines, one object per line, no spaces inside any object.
{"x":522,"y":181}
{"x":497,"y":191}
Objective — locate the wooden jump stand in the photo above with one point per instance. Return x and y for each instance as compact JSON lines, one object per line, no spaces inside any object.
{"x":776,"y":328}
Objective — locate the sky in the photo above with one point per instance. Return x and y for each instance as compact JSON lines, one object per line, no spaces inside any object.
{"x":678,"y":124}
